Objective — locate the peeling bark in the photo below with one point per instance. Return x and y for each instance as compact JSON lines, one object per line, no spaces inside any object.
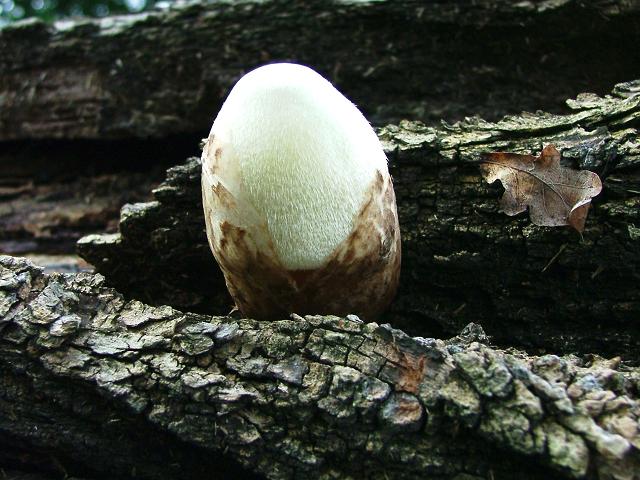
{"x":161,"y":73}
{"x":463,"y":261}
{"x":313,"y":397}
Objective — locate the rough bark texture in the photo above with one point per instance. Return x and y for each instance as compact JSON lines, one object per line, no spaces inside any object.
{"x":463,"y":260}
{"x":161,"y":73}
{"x":314,"y":397}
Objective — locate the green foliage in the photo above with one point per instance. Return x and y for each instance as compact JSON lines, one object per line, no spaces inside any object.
{"x":50,"y":10}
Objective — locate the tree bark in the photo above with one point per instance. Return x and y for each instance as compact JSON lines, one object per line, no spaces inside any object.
{"x":50,"y":217}
{"x":463,"y":261}
{"x":164,"y":73}
{"x":313,"y":397}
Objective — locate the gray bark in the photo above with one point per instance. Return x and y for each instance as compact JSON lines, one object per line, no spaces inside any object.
{"x":314,"y":397}
{"x":164,"y":73}
{"x":542,"y":288}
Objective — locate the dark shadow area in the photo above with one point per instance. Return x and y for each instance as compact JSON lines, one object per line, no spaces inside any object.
{"x":52,"y":192}
{"x":43,"y":161}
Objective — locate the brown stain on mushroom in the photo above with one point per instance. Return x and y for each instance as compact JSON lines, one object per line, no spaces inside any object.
{"x":360,"y":277}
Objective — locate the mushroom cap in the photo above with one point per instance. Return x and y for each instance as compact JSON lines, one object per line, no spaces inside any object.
{"x":300,"y":154}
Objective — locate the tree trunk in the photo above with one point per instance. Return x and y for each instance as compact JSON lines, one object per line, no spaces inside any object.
{"x":463,"y":261}
{"x":164,"y":73}
{"x":105,"y":384}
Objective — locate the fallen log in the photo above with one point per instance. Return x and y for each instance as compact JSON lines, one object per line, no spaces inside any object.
{"x":101,"y":382}
{"x":162,"y":73}
{"x":50,"y":217}
{"x":541,"y":288}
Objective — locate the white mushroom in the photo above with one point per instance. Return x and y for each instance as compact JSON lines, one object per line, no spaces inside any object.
{"x":298,"y":200}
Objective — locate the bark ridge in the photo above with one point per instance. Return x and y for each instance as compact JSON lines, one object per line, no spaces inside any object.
{"x":321,"y":397}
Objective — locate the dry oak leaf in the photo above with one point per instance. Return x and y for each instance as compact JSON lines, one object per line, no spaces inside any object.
{"x":555,"y":195}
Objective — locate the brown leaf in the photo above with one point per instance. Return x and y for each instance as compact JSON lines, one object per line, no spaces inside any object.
{"x":555,"y":195}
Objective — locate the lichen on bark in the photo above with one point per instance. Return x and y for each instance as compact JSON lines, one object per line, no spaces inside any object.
{"x":320,"y":397}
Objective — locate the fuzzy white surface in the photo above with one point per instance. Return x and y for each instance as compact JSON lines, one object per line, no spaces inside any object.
{"x":304,"y":154}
